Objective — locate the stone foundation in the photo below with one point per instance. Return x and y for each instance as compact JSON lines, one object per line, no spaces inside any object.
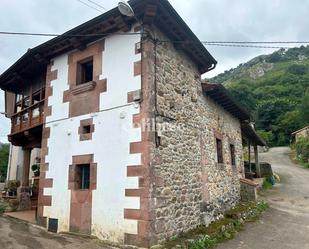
{"x":24,"y":198}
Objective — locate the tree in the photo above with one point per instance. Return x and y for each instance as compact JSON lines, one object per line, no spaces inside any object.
{"x":297,"y":69}
{"x":4,"y":159}
{"x":304,"y":109}
{"x":243,"y":94}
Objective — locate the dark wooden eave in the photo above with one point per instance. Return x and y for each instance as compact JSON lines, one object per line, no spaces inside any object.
{"x":219,"y":94}
{"x":250,"y":134}
{"x":152,"y":12}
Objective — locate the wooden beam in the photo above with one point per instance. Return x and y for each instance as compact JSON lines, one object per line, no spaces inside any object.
{"x":122,"y":24}
{"x":77,"y":43}
{"x":150,"y":13}
{"x":41,"y":59}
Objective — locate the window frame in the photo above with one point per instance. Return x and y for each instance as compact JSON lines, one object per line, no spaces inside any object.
{"x":81,"y":77}
{"x":83,"y":176}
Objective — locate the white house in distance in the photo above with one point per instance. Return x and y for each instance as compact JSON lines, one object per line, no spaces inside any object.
{"x":134,"y":147}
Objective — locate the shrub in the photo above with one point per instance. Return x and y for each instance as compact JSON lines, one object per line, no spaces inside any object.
{"x":202,"y":243}
{"x":302,"y":150}
{"x":267,"y":184}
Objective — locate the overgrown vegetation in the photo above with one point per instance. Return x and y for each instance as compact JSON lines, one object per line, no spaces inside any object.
{"x":302,"y":151}
{"x":267,"y":184}
{"x":3,"y":206}
{"x":224,"y":229}
{"x":4,"y":158}
{"x":275,"y":89}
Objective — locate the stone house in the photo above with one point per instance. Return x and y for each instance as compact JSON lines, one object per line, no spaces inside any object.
{"x":135,"y":147}
{"x":302,"y":133}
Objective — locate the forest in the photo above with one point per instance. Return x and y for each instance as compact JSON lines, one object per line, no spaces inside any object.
{"x":274,"y":88}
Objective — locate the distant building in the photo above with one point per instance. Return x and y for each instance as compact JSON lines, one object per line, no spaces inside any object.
{"x":302,"y":133}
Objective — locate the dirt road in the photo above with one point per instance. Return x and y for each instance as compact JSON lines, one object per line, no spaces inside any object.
{"x":286,"y":224}
{"x":18,"y":235}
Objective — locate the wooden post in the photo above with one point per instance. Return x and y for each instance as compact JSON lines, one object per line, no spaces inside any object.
{"x":26,"y":168}
{"x":249,"y":156}
{"x":24,"y":189}
{"x":257,"y":163}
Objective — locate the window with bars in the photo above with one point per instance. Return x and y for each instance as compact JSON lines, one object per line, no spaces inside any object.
{"x":83,"y":176}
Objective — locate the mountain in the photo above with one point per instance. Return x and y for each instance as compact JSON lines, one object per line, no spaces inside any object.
{"x":275,"y":89}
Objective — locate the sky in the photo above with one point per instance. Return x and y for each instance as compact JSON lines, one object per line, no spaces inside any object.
{"x":210,"y":20}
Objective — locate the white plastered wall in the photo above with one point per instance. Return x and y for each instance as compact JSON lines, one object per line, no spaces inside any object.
{"x":110,"y":142}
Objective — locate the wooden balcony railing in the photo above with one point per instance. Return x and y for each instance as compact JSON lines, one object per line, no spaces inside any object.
{"x":28,"y":118}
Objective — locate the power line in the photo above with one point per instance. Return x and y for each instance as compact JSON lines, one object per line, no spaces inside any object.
{"x":90,"y":6}
{"x":99,"y":5}
{"x":209,"y":43}
{"x":241,"y":46}
{"x":260,"y":42}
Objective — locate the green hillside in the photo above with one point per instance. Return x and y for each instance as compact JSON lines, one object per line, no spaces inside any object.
{"x":275,"y":89}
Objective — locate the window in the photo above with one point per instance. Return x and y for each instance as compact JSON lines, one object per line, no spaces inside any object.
{"x":85,"y":71}
{"x":232,"y":151}
{"x":219,"y":151}
{"x":83,"y":176}
{"x":36,"y":97}
{"x":86,"y":129}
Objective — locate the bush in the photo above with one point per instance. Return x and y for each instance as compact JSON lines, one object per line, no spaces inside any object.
{"x":302,"y":150}
{"x":12,"y":186}
{"x":267,"y":184}
{"x":3,"y":206}
{"x":268,"y":136}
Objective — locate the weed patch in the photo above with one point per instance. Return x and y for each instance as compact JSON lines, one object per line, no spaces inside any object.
{"x":218,"y":231}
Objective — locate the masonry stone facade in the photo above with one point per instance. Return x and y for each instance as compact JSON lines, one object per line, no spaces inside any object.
{"x":196,"y":189}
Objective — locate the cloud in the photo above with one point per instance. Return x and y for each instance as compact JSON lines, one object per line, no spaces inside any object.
{"x":222,"y":20}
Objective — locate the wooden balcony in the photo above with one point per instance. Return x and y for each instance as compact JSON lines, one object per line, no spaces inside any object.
{"x":26,"y":127}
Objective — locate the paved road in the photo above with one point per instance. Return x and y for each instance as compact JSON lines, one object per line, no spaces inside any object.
{"x":18,"y":235}
{"x":286,"y":224}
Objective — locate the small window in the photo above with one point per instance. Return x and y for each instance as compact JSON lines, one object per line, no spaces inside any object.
{"x":85,"y":72}
{"x":83,"y":176}
{"x":219,"y":151}
{"x":26,"y":102}
{"x":232,"y":151}
{"x":19,"y":97}
{"x":36,"y":97}
{"x":86,"y":129}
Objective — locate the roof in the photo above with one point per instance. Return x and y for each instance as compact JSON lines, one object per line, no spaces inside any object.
{"x":222,"y":97}
{"x":249,"y":132}
{"x":157,"y":12}
{"x":300,"y":130}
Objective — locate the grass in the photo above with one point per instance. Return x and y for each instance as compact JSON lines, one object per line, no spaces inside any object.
{"x":294,"y":159}
{"x":221,"y":230}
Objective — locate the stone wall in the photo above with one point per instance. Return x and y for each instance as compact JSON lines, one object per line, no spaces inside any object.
{"x":194,"y":189}
{"x":248,"y":190}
